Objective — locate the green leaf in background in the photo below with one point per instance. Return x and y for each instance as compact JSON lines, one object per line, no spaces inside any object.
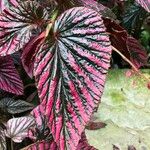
{"x":15,"y":106}
{"x":125,"y":108}
{"x":133,"y":19}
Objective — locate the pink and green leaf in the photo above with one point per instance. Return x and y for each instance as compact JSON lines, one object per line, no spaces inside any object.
{"x":18,"y":24}
{"x":70,"y":73}
{"x":9,"y":77}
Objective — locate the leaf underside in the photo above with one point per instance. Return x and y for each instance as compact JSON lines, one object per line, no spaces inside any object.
{"x":70,"y":73}
{"x":28,"y":55}
{"x":9,"y":77}
{"x":129,"y":46}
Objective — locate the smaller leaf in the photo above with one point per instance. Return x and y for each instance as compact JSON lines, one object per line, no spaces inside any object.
{"x":19,"y":24}
{"x":148,"y":85}
{"x":9,"y":77}
{"x":2,"y":140}
{"x":17,"y":128}
{"x":145,"y":4}
{"x":15,"y":106}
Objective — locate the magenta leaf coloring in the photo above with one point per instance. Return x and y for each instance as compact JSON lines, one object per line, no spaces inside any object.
{"x":18,"y":25}
{"x":70,"y":73}
{"x":9,"y":77}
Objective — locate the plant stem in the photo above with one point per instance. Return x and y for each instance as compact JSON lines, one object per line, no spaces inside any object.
{"x":49,"y":26}
{"x":131,"y":64}
{"x":12,"y":145}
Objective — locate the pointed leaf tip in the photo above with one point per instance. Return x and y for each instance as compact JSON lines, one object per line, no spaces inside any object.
{"x":71,"y":71}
